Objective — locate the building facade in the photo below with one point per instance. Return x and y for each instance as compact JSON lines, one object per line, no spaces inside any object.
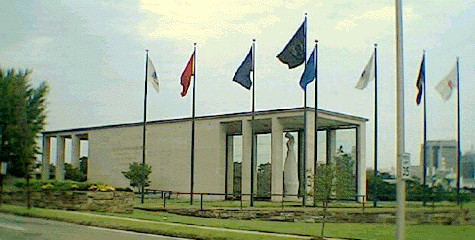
{"x":168,"y":142}
{"x":441,"y":163}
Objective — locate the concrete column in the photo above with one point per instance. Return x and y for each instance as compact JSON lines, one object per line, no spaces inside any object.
{"x":361,"y":161}
{"x":60,"y":158}
{"x":75,"y":150}
{"x":229,"y":165}
{"x":277,"y":179}
{"x":331,"y":145}
{"x":246,"y":159}
{"x":46,"y":158}
{"x":310,"y":147}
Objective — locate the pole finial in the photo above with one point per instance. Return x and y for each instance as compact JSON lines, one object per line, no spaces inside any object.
{"x":316,"y":40}
{"x":375,"y":45}
{"x":253,"y":40}
{"x":194,"y":44}
{"x":146,"y":50}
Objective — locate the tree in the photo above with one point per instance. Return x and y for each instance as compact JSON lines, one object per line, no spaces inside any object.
{"x":73,"y":173}
{"x":324,"y":184}
{"x":22,"y":117}
{"x":83,"y":166}
{"x":344,"y":177}
{"x":138,"y":175}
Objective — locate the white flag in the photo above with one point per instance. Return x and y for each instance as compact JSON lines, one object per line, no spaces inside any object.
{"x":447,"y":84}
{"x":152,"y":75}
{"x":367,"y":74}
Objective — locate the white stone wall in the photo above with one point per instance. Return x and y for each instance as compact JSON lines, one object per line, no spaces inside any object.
{"x":168,"y":153}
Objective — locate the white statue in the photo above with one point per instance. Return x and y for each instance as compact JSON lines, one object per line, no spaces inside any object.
{"x":291,"y":182}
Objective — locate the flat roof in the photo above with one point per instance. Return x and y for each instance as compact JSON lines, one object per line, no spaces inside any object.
{"x":227,"y":115}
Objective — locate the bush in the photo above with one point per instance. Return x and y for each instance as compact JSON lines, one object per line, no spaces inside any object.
{"x":55,"y":185}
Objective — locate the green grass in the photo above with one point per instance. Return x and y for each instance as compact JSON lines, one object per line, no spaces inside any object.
{"x":157,"y":203}
{"x":144,"y":227}
{"x":343,"y":230}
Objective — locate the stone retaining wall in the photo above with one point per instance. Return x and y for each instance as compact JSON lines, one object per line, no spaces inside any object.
{"x":75,"y":200}
{"x":455,"y":217}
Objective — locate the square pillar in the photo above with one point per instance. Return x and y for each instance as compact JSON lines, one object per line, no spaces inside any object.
{"x":277,"y":142}
{"x":46,"y":158}
{"x":246,"y":159}
{"x":60,"y":158}
{"x":229,"y":166}
{"x":310,"y":147}
{"x":331,"y":145}
{"x":361,"y":161}
{"x":75,"y":150}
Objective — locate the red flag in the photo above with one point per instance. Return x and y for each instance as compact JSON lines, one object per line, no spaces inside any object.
{"x":186,"y":75}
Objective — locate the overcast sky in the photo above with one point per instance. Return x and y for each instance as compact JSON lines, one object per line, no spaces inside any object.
{"x":92,"y":54}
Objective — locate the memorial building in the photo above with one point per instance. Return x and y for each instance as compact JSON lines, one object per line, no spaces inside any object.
{"x":112,"y":148}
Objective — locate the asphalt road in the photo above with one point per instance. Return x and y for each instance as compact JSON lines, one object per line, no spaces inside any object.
{"x":15,"y":227}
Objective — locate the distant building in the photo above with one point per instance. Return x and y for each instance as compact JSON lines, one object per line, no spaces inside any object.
{"x":441,"y":163}
{"x":468,"y":169}
{"x":415,"y":173}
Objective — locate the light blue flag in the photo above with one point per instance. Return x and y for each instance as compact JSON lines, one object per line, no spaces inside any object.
{"x":309,"y":73}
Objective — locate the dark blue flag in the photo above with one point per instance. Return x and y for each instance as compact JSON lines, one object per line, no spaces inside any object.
{"x":420,"y":81}
{"x":294,"y":52}
{"x":309,"y":72}
{"x":243,"y":73}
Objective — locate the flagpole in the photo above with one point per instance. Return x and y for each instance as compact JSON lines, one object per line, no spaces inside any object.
{"x":144,"y":127}
{"x":304,"y":168}
{"x":192,"y":166}
{"x":375,"y":200}
{"x":400,"y":183}
{"x":424,"y":151}
{"x":458,"y":134}
{"x":315,"y":138}
{"x":253,"y":114}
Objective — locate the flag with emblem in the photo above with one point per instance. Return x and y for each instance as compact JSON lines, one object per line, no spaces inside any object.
{"x":294,"y":52}
{"x":446,"y":86}
{"x":367,"y":75}
{"x":152,"y":75}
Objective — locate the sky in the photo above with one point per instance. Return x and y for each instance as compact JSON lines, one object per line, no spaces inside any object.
{"x":92,"y":54}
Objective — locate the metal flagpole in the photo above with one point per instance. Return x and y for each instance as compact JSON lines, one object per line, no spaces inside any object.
{"x":253,"y":114}
{"x":315,"y":138}
{"x":400,"y":183}
{"x":424,"y":158}
{"x":375,"y":200}
{"x":458,"y":134}
{"x":192,"y":166}
{"x":304,"y":168}
{"x":144,"y":127}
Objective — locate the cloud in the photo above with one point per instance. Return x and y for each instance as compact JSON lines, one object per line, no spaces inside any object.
{"x":385,"y":13}
{"x":200,"y":21}
{"x":382,"y":16}
{"x":345,"y":25}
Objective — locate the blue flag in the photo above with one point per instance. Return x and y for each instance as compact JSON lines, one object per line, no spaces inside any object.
{"x":294,"y":52}
{"x":243,"y":73}
{"x":421,"y":81}
{"x":309,"y":72}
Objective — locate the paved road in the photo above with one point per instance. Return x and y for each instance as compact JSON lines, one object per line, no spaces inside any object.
{"x":15,"y":227}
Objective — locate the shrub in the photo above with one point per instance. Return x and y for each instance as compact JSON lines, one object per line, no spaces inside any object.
{"x":55,"y":185}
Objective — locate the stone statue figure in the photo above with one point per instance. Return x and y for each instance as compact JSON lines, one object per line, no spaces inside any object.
{"x":291,"y":182}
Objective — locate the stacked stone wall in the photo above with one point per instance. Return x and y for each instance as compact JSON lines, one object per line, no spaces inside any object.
{"x":75,"y":200}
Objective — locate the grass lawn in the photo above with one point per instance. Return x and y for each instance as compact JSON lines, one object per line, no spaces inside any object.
{"x":343,"y":230}
{"x":157,"y":203}
{"x":144,"y":227}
